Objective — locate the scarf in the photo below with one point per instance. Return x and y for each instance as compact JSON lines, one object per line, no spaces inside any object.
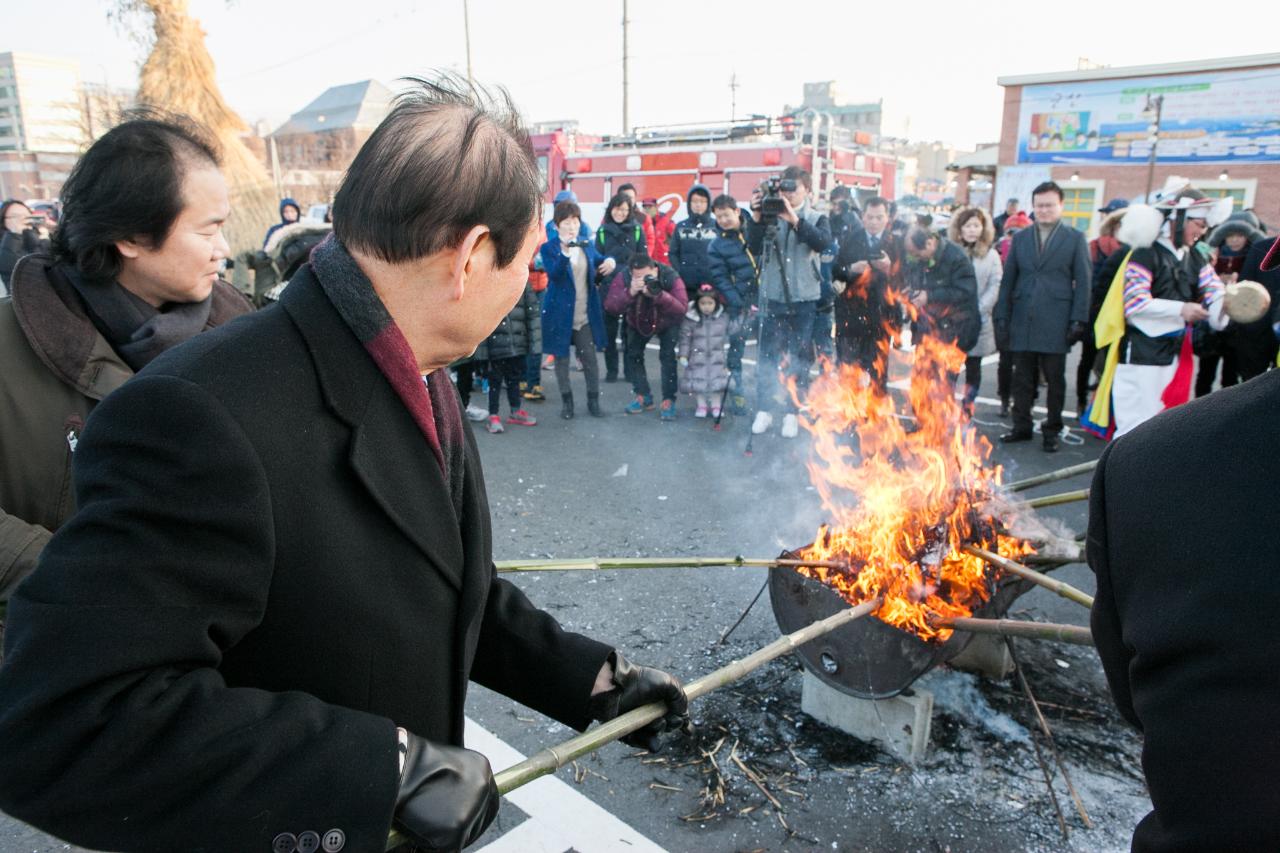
{"x":136,"y":330}
{"x":431,"y":400}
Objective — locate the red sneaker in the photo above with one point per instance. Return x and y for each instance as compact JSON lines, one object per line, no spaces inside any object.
{"x":521,"y":417}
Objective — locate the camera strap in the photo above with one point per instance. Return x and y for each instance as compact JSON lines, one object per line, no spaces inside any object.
{"x":782,"y":268}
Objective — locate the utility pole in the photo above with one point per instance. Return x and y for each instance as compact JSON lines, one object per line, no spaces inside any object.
{"x":733,"y":97}
{"x":1156,"y":103}
{"x":466,"y":31}
{"x":626,"y":61}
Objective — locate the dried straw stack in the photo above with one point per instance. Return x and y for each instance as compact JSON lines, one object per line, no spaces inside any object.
{"x":178,"y":76}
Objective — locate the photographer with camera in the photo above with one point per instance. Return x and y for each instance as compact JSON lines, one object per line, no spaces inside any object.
{"x":788,"y":236}
{"x":652,"y":299}
{"x":944,"y":290}
{"x":867,"y":277}
{"x":24,"y":233}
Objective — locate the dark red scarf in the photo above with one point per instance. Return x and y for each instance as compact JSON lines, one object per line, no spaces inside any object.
{"x":433,"y":403}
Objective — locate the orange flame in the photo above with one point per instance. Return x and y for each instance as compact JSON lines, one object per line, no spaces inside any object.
{"x":903,"y":502}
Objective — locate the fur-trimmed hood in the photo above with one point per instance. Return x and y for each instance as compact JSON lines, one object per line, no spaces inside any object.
{"x":1235,"y":226}
{"x":286,"y":232}
{"x":1141,"y":226}
{"x":985,"y":242}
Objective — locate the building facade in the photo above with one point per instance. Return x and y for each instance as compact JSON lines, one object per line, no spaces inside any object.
{"x":308,"y":154}
{"x":1092,"y":132}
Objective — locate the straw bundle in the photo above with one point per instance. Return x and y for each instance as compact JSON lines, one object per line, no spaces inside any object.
{"x":178,"y":76}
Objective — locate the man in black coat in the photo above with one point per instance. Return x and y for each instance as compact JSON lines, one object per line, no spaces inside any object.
{"x":943,"y":289}
{"x":866,"y":277}
{"x":258,"y":631}
{"x":1183,"y":535}
{"x":1255,"y":343}
{"x":1042,"y":311}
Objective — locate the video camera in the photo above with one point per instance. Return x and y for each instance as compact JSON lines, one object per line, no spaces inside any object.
{"x":772,"y":204}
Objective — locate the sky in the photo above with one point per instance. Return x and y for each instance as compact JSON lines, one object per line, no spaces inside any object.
{"x":925,"y":59}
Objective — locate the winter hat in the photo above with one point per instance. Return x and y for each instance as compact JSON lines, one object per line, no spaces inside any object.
{"x":699,"y":189}
{"x":565,"y":195}
{"x":1114,"y":205}
{"x":1018,"y":220}
{"x":648,"y":200}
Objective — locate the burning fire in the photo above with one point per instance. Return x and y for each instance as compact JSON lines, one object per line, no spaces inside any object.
{"x":903,"y":503}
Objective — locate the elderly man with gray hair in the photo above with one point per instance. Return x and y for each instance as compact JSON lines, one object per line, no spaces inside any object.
{"x":258,"y":631}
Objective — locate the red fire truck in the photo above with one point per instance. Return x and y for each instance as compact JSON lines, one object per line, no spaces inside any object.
{"x":663,"y":162}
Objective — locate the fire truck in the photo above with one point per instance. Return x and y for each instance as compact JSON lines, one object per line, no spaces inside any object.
{"x":732,"y":157}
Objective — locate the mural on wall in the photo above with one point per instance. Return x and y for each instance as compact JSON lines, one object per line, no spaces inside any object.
{"x":1222,"y":117}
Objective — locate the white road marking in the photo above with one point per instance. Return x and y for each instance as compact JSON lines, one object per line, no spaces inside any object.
{"x":560,"y":818}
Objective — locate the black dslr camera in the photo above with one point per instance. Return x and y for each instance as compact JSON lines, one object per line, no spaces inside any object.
{"x":652,"y":286}
{"x":772,"y":205}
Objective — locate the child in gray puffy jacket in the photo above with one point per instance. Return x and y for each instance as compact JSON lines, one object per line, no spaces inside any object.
{"x":704,"y":341}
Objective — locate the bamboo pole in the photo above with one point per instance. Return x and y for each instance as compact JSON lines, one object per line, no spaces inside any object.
{"x":1065,"y":590}
{"x":552,"y":758}
{"x":600,"y":564}
{"x":1055,"y":500}
{"x":1051,"y":477}
{"x":1074,"y":634}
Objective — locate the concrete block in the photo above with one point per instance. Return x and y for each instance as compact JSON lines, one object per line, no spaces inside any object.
{"x":987,"y":655}
{"x":899,"y":725}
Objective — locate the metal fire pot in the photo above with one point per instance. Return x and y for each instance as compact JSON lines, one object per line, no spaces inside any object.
{"x":866,"y":658}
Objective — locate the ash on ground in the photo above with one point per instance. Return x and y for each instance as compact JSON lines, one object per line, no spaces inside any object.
{"x":757,"y":757}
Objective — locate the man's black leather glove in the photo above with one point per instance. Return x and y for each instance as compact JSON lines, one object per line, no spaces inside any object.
{"x":1002,"y":336}
{"x":640,"y":685}
{"x":1075,"y":333}
{"x":447,"y":795}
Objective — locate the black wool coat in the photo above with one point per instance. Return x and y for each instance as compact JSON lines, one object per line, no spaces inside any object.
{"x":1184,"y":530}
{"x":1044,"y":290}
{"x":265,"y":578}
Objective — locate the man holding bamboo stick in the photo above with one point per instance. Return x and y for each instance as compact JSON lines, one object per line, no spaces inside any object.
{"x":258,"y":632}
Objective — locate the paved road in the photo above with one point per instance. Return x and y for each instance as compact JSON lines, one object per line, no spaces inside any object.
{"x":631,"y":486}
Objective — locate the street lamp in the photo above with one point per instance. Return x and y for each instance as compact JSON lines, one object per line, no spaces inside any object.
{"x":1154,"y":106}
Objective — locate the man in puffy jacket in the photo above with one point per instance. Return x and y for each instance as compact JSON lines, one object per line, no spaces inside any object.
{"x":689,"y":242}
{"x":652,"y":299}
{"x":735,"y":275}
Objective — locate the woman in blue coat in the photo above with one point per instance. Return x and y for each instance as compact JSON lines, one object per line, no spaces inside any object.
{"x":571,"y":311}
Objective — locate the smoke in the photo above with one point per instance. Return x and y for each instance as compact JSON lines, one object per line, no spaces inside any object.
{"x":957,"y":693}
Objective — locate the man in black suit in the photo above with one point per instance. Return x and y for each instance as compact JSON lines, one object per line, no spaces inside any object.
{"x":1183,"y":535}
{"x":1042,"y":311}
{"x":258,"y":631}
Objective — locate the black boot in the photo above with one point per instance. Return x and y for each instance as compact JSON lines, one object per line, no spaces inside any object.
{"x":593,"y":406}
{"x":1004,"y":407}
{"x":566,"y":411}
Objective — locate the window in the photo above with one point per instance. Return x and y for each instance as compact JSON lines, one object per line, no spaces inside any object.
{"x":5,"y":112}
{"x":1237,"y":193}
{"x":1077,"y":207}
